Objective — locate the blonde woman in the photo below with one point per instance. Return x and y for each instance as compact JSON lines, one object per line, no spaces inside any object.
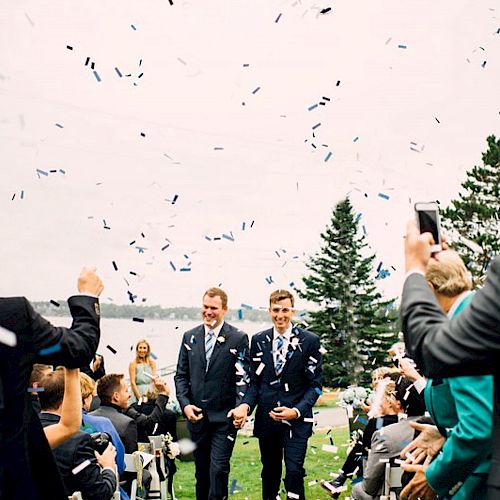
{"x":141,"y":371}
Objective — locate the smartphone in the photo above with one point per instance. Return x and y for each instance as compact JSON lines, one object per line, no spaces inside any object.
{"x":428,"y":222}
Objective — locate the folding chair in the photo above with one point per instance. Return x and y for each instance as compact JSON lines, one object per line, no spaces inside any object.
{"x":392,"y":481}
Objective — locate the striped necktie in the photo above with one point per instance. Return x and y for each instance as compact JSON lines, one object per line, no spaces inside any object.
{"x":209,"y":345}
{"x":280,"y":359}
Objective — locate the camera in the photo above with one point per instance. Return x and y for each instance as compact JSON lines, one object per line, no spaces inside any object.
{"x":99,"y":441}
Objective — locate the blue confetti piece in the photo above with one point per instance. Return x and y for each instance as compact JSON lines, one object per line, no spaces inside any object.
{"x":118,"y":72}
{"x":313,"y":106}
{"x":246,"y":306}
{"x":316,"y":126}
{"x":358,"y":217}
{"x":97,"y":77}
{"x":208,"y":238}
{"x":384,"y":196}
{"x":362,"y":420}
{"x":401,"y":46}
{"x":153,"y":355}
{"x":172,"y":265}
{"x":240,"y":313}
{"x":291,"y":284}
{"x":328,"y":156}
{"x":364,"y":230}
{"x":133,"y":27}
{"x":62,"y":171}
{"x":227,"y":237}
{"x":36,"y":389}
{"x":243,"y":226}
{"x":185,"y":269}
{"x":49,"y":350}
{"x":355,"y":139}
{"x":22,"y":195}
{"x":318,"y":391}
{"x":59,"y":125}
{"x":41,"y":172}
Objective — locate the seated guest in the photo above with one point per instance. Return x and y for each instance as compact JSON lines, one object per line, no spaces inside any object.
{"x":461,"y":407}
{"x":114,"y":395}
{"x":37,"y":372}
{"x":96,"y":481}
{"x":168,"y":421}
{"x":388,"y":442}
{"x":383,"y":406}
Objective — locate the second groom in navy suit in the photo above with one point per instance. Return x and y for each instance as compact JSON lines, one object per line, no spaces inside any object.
{"x":286,"y":380}
{"x":211,"y":380}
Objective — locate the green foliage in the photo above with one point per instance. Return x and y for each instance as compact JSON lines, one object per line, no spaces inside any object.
{"x":355,"y":325}
{"x":475,"y":213}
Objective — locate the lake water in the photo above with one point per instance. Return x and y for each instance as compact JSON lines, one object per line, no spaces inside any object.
{"x":164,"y":336}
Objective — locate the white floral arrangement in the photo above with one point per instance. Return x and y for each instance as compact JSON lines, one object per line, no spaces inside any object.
{"x":352,"y":397}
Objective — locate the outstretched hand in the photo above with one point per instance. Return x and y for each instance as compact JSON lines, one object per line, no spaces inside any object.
{"x":429,"y":441}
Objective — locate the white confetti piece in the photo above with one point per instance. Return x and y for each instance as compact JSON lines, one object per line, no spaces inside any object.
{"x":7,"y":337}
{"x":329,"y":448}
{"x":260,"y":368}
{"x":80,"y":467}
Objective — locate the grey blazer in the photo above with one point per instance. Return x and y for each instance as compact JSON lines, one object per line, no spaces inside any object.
{"x":125,"y":426}
{"x":387,"y":443}
{"x":469,"y":344}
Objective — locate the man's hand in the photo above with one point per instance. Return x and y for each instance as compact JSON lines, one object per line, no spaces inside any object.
{"x":97,"y":362}
{"x":107,"y":459}
{"x":193,"y":413}
{"x":418,"y":247}
{"x":408,"y":369}
{"x":429,"y":441}
{"x":418,"y":488}
{"x":161,"y":386}
{"x":283,"y":413}
{"x":239,"y":415}
{"x":89,"y":283}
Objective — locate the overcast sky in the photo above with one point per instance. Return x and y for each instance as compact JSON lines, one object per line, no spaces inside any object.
{"x":222,"y":93}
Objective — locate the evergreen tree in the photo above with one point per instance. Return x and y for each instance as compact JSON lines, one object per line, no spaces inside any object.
{"x":475,"y":215}
{"x":355,"y":325}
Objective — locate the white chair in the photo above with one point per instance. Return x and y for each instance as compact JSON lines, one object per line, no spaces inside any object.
{"x":392,"y":480}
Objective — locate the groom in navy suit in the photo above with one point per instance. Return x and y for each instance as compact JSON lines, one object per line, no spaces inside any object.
{"x":211,"y":380}
{"x":286,"y":379}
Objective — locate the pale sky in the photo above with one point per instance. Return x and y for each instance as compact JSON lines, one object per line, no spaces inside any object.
{"x":414,"y":75}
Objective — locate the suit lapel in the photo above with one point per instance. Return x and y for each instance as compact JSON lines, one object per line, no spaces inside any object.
{"x":294,"y":345}
{"x":218,"y":344}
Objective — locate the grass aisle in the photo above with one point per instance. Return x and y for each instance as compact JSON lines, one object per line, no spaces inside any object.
{"x":245,"y":467}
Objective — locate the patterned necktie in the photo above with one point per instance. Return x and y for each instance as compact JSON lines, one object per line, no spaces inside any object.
{"x":209,"y":345}
{"x":280,"y":360}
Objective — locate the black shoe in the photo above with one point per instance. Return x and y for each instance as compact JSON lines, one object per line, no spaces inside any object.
{"x":332,"y":486}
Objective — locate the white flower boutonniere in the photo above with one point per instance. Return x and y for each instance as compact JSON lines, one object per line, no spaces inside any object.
{"x":295,"y":342}
{"x":220,"y":339}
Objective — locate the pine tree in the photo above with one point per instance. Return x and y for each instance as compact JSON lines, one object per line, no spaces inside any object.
{"x":475,"y":215}
{"x":355,"y":325}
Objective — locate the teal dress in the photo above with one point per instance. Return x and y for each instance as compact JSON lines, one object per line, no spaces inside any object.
{"x":143,"y":382}
{"x":462,"y":408}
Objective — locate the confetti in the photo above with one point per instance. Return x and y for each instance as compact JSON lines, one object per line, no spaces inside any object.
{"x":80,"y":467}
{"x":49,"y":350}
{"x":111,"y":349}
{"x":328,"y":156}
{"x":118,"y":72}
{"x":36,"y":389}
{"x":384,"y":196}
{"x":97,"y":77}
{"x":7,"y":337}
{"x":138,"y":320}
{"x":401,"y":46}
{"x":278,"y":18}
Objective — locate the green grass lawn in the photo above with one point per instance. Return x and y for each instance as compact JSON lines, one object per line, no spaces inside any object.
{"x":246,"y":467}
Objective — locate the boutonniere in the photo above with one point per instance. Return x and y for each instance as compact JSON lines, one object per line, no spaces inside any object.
{"x":295,"y":342}
{"x":221,"y":339}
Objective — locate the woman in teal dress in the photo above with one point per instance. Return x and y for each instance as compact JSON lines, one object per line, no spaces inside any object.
{"x":461,"y":407}
{"x":141,"y":371}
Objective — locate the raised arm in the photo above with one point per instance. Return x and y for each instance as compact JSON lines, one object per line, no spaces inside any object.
{"x":71,"y":410}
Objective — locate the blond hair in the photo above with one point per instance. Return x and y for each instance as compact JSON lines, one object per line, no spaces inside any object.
{"x":448,"y":275}
{"x":148,"y":358}
{"x":87,"y":385}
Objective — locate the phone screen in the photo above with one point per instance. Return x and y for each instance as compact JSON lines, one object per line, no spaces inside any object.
{"x":428,"y":223}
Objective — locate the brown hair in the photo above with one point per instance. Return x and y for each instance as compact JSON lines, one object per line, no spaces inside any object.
{"x":217,"y":292}
{"x":108,"y":385}
{"x":87,"y":385}
{"x":38,"y":372}
{"x":279,"y":295}
{"x":52,"y":395}
{"x":448,"y":275}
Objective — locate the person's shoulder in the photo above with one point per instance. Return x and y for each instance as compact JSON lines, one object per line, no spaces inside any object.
{"x":266,"y":334}
{"x":233,"y":330}
{"x":306,"y":334}
{"x":193,"y":330}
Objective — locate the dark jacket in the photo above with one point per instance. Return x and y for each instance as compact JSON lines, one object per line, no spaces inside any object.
{"x":93,"y":483}
{"x":126,"y":422}
{"x":298,"y":386}
{"x":27,"y":468}
{"x":222,"y":386}
{"x":469,"y":344}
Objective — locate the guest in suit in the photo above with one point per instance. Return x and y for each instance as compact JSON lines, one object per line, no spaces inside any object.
{"x":27,"y":468}
{"x":467,"y":345}
{"x":286,"y":379}
{"x":461,"y":407}
{"x":114,"y":394}
{"x":388,"y":442}
{"x":211,"y":380}
{"x":93,"y":482}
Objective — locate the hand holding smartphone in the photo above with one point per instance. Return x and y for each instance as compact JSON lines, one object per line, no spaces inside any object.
{"x":428,"y":222}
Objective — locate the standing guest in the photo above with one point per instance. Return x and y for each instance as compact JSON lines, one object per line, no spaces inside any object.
{"x":27,"y":467}
{"x":141,"y":370}
{"x":286,"y":381}
{"x":467,"y":345}
{"x":211,"y":377}
{"x":114,"y":394}
{"x":461,"y":407}
{"x":76,"y":458}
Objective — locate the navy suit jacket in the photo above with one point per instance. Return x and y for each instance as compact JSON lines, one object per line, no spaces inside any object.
{"x":222,"y":386}
{"x":27,"y":468}
{"x":298,"y":386}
